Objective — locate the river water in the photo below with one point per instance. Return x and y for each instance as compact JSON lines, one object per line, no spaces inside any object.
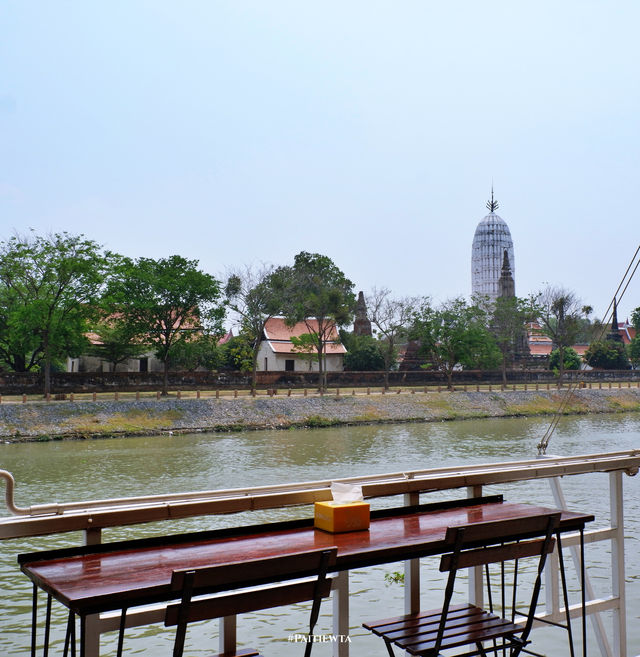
{"x":96,"y":469}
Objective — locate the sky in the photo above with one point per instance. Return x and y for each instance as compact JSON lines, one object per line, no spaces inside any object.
{"x":242,"y":132}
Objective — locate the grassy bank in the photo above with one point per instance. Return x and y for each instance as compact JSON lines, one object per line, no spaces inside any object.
{"x":88,"y":419}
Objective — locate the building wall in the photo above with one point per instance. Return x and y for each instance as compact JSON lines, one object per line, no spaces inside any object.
{"x":277,"y":362}
{"x":94,"y":364}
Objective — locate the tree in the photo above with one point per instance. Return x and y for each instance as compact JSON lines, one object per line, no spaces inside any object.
{"x":252,"y":295}
{"x":607,"y":355}
{"x":392,"y":318}
{"x":116,"y":340}
{"x":50,"y":286}
{"x":560,"y":312}
{"x":20,"y":350}
{"x":166,"y":302}
{"x":635,"y":318}
{"x":363,"y":353}
{"x":508,"y":318}
{"x":572,"y":360}
{"x":316,"y":292}
{"x":237,"y":354}
{"x":634,"y":352}
{"x":200,"y":351}
{"x":454,"y":334}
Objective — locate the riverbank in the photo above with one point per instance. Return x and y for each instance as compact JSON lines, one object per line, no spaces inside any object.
{"x":58,"y":420}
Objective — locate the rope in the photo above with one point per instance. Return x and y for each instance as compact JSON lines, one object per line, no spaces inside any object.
{"x":544,"y":442}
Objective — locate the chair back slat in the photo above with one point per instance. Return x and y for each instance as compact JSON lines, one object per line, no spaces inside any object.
{"x":498,"y":553}
{"x":247,"y":601}
{"x":252,"y":573}
{"x":498,"y":531}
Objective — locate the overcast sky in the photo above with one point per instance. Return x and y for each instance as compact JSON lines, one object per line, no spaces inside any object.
{"x":242,"y":132}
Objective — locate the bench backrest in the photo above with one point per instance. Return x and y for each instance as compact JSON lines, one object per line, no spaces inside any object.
{"x":281,"y":580}
{"x":502,"y":540}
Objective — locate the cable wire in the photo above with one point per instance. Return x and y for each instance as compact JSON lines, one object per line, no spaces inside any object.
{"x":544,"y":442}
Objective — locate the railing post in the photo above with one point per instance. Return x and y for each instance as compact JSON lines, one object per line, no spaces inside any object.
{"x":617,"y":564}
{"x":340,"y":599}
{"x":227,"y":635}
{"x":476,"y":590}
{"x":412,"y":570}
{"x":92,"y":631}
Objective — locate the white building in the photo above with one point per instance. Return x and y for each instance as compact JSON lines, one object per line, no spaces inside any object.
{"x":277,"y":352}
{"x":491,"y":239}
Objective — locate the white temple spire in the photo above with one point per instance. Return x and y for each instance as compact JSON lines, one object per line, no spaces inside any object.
{"x":492,"y":238}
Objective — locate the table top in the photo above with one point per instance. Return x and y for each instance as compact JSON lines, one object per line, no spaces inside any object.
{"x":108,"y":576}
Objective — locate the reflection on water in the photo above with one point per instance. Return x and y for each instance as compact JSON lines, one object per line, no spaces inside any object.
{"x":81,"y":470}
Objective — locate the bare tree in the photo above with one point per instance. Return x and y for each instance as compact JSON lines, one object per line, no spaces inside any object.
{"x":391,"y":317}
{"x":250,"y":294}
{"x":560,"y":312}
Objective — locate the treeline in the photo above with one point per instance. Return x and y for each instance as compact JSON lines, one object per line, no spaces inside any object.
{"x":62,"y":296}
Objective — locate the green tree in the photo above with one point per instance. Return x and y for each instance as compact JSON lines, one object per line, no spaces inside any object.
{"x":572,"y":360}
{"x":455,"y":334}
{"x":363,"y":353}
{"x":508,"y":318}
{"x":20,"y":350}
{"x":199,"y":352}
{"x":115,"y":341}
{"x":560,"y":312}
{"x":253,"y":296}
{"x":167,"y":302}
{"x":634,"y":352}
{"x":635,"y":318}
{"x":316,"y":292}
{"x":237,"y":354}
{"x":392,"y":318}
{"x":51,"y":286}
{"x":607,"y":355}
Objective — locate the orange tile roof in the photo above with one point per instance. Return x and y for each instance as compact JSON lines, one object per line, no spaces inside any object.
{"x":540,"y":349}
{"x":279,"y":335}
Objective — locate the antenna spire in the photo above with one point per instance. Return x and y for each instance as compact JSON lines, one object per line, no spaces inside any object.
{"x":492,"y":205}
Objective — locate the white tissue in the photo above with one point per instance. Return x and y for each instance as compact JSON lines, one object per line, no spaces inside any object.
{"x":346,"y":493}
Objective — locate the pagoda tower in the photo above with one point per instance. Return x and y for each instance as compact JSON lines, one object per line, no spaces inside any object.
{"x":362,"y":325}
{"x":490,"y":242}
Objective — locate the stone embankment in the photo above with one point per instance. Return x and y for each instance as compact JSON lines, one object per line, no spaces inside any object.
{"x":57,"y":420}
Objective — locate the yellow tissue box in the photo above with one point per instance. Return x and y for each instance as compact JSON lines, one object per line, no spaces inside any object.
{"x":338,"y":517}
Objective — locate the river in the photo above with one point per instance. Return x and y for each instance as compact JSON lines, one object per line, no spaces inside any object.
{"x":80,"y":470}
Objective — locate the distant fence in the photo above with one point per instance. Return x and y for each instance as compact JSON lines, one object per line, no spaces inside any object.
{"x":15,"y":383}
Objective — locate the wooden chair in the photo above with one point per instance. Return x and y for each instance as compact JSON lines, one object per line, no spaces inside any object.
{"x":456,"y":626}
{"x":250,"y":586}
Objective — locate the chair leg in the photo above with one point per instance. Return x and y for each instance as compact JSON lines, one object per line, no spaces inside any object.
{"x":565,"y":595}
{"x":123,"y":619}
{"x":317,"y":600}
{"x":181,"y":629}
{"x":34,"y":619}
{"x":389,"y":647}
{"x":47,"y":627}
{"x":69,"y":638}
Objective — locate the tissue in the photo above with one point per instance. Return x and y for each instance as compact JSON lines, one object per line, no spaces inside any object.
{"x":346,"y":513}
{"x":345,"y":493}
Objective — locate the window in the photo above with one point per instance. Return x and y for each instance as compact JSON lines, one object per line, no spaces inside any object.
{"x":289,"y":365}
{"x":144,"y":365}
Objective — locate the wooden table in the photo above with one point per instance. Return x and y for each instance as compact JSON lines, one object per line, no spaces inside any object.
{"x":93,"y":579}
